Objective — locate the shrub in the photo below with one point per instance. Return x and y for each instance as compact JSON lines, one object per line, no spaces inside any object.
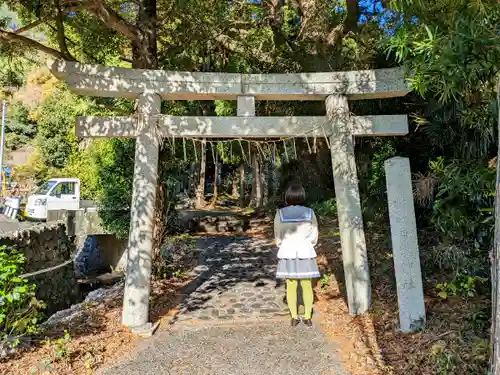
{"x":326,"y":208}
{"x":55,"y":118}
{"x":19,"y":128}
{"x":464,"y":200}
{"x":177,"y":255}
{"x":19,"y":308}
{"x":462,"y":285}
{"x":461,"y":211}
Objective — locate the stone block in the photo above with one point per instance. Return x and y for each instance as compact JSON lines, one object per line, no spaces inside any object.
{"x":98,"y":80}
{"x":245,"y":125}
{"x":246,"y":105}
{"x":405,"y":244}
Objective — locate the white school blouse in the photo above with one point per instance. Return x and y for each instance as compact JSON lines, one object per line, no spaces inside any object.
{"x":296,"y":232}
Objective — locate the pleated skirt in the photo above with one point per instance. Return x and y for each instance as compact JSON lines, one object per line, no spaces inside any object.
{"x":297,"y":269}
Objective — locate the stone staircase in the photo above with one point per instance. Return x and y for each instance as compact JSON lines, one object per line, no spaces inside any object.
{"x":220,"y":222}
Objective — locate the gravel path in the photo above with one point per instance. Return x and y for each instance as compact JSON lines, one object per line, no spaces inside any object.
{"x":264,"y":349}
{"x":234,"y":323}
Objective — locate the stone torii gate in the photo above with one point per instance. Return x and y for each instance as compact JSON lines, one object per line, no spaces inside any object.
{"x":150,"y":87}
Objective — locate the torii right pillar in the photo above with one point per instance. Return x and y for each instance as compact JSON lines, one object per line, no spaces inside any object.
{"x":352,"y":235}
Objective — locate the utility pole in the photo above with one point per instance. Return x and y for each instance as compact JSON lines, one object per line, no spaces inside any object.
{"x":2,"y":144}
{"x":495,"y":266}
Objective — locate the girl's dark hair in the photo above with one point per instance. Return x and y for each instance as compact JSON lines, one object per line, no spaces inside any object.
{"x":295,"y":194}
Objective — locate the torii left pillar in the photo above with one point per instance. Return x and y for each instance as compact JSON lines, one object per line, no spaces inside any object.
{"x":140,"y":243}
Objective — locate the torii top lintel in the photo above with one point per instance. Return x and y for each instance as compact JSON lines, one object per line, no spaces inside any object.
{"x":98,"y":80}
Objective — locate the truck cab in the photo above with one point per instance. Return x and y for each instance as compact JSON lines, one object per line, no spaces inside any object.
{"x":54,"y":194}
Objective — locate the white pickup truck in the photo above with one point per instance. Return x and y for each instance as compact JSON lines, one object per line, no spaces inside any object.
{"x":54,"y":194}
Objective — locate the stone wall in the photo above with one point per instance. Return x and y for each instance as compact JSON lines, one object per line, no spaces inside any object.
{"x":97,"y":249}
{"x":80,"y":222}
{"x":47,"y":246}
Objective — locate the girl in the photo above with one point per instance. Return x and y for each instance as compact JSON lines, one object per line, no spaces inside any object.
{"x":296,"y":234}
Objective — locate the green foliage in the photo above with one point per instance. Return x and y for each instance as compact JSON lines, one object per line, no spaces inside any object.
{"x":372,"y":175}
{"x":176,"y":256}
{"x":471,"y":359}
{"x":479,"y":318}
{"x":445,"y":360}
{"x":462,"y":206}
{"x":324,"y":281}
{"x":462,"y":285}
{"x":19,"y":308}
{"x":464,"y":44}
{"x":14,"y":65}
{"x":60,"y":346}
{"x":56,"y":118}
{"x":106,"y":172}
{"x":459,"y":214}
{"x":225,"y":108}
{"x":20,"y":129}
{"x":325,"y":208}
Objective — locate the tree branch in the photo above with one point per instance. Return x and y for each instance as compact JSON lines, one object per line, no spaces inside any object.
{"x":315,"y":21}
{"x":12,"y":37}
{"x":111,"y":18}
{"x":76,"y":45}
{"x":38,"y":22}
{"x":61,"y":36}
{"x":236,"y":47}
{"x":350,"y":23}
{"x":28,"y":27}
{"x":126,"y":59}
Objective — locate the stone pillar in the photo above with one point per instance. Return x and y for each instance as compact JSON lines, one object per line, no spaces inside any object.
{"x":405,"y":244}
{"x":245,"y":106}
{"x":140,"y":242}
{"x":352,"y":235}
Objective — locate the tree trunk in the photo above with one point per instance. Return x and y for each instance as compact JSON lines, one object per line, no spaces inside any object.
{"x":253,"y":189}
{"x":265,"y":180}
{"x":234,"y":184}
{"x":256,"y":196}
{"x":216,"y":178}
{"x":144,"y":49}
{"x":495,"y":268}
{"x":274,"y":175}
{"x":200,"y":190}
{"x":193,"y":179}
{"x":242,"y":185}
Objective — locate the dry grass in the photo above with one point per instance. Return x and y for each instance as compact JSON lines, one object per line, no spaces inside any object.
{"x":453,"y":341}
{"x":424,"y":187}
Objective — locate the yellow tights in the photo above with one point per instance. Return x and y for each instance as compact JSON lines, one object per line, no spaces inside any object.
{"x":307,"y":295}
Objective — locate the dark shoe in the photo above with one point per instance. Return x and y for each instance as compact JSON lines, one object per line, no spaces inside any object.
{"x":295,"y":322}
{"x":308,"y":322}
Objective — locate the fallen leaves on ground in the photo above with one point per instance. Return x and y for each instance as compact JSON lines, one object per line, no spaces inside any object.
{"x":454,"y":340}
{"x":96,"y":341}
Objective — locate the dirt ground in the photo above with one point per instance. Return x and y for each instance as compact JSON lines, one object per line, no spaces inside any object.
{"x":369,"y":344}
{"x":94,"y":342}
{"x":453,"y":341}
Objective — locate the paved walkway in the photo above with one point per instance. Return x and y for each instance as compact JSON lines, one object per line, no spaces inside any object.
{"x":8,"y":225}
{"x":234,"y":323}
